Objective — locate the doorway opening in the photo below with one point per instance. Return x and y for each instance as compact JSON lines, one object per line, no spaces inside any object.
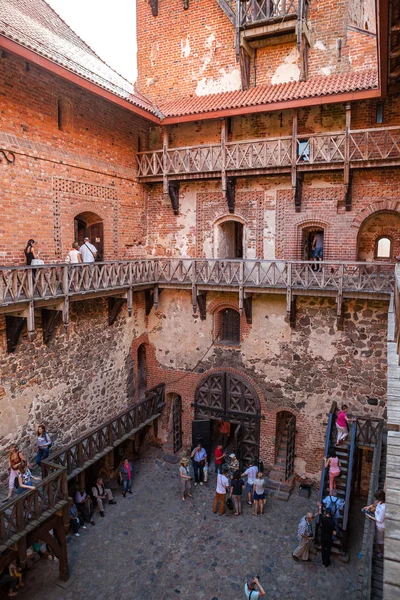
{"x":285,"y":437}
{"x":88,"y":224}
{"x":313,"y":243}
{"x":142,"y":371}
{"x":230,"y":240}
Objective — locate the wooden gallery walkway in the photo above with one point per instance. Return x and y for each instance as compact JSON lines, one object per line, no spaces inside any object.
{"x":31,"y":515}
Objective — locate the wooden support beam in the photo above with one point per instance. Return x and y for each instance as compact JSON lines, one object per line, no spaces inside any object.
{"x":149,"y":301}
{"x":114,"y":308}
{"x":339,"y":300}
{"x":165,"y":162}
{"x":298,"y":191}
{"x":230,"y":193}
{"x":154,"y":7}
{"x":50,"y":320}
{"x":224,"y":136}
{"x":348,"y":196}
{"x":294,"y":150}
{"x":244,"y":62}
{"x":202,"y":304}
{"x":248,"y":308}
{"x":173,"y":192}
{"x":293,"y":312}
{"x":156,"y":293}
{"x":14,"y":327}
{"x":129,"y":299}
{"x":346,"y":172}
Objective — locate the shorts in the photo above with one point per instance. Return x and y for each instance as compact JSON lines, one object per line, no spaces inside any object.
{"x":318,"y":253}
{"x":259,"y":496}
{"x":379,"y":535}
{"x":249,"y":488}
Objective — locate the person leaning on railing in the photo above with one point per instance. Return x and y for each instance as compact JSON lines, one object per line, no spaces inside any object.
{"x":16,"y":458}
{"x":377,"y":512}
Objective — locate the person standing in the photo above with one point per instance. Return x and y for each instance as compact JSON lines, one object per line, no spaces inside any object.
{"x":379,"y":517}
{"x":16,"y":458}
{"x":237,"y":485}
{"x":199,"y":456}
{"x":74,"y":519}
{"x":333,"y":464}
{"x":126,"y":476}
{"x":74,"y":256}
{"x":30,"y":252}
{"x":259,"y":494}
{"x":219,"y":458}
{"x":43,"y":444}
{"x":220,"y":493}
{"x":328,"y":530}
{"x":88,"y":251}
{"x":253,"y":589}
{"x":185,"y":478}
{"x":342,"y":421}
{"x":224,"y":432}
{"x":317,"y":247}
{"x":251,"y":473}
{"x":305,"y":536}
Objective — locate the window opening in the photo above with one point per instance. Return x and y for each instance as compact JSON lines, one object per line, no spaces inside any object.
{"x":230,"y":240}
{"x":230,"y":326}
{"x":303,"y":150}
{"x":383,"y":248}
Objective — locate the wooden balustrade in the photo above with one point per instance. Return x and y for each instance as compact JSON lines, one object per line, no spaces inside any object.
{"x":258,"y":11}
{"x":379,"y":146}
{"x":369,"y":431}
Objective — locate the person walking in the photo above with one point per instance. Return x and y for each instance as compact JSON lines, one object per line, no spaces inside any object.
{"x":251,"y":473}
{"x":25,"y":479}
{"x":237,"y":485}
{"x":335,"y":504}
{"x":185,"y":478}
{"x":199,"y":456}
{"x":220,"y":493}
{"x":88,"y":251}
{"x":43,"y":444}
{"x":328,"y":530}
{"x":304,"y":536}
{"x":16,"y":458}
{"x":379,"y":512}
{"x":253,"y":589}
{"x":126,"y":476}
{"x":342,"y":421}
{"x":74,"y":256}
{"x":259,"y":494}
{"x":333,"y":464}
{"x":219,"y":458}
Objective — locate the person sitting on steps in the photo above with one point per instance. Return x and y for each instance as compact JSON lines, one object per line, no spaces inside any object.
{"x":101,"y":494}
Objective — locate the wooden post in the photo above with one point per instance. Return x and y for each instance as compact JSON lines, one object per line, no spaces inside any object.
{"x":223,"y":154}
{"x":346,"y":173}
{"x":165,"y":162}
{"x":241,"y":290}
{"x":194,"y":288}
{"x":62,"y":549}
{"x":294,"y":149}
{"x":129,"y":296}
{"x":339,"y":300}
{"x":65,"y":309}
{"x":30,"y":321}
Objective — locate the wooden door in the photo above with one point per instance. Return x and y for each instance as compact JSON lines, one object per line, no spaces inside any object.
{"x":290,"y":451}
{"x":96,"y":234}
{"x":177,"y":423}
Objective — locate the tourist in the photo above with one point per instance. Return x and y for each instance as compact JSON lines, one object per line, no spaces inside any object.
{"x":88,"y":251}
{"x":9,"y":582}
{"x":74,"y":256}
{"x":84,"y":505}
{"x":220,"y":493}
{"x":219,"y":458}
{"x":126,"y":476}
{"x":233,"y":465}
{"x":43,"y":444}
{"x":199,"y":456}
{"x":185,"y":478}
{"x":251,"y":473}
{"x":334,"y":469}
{"x":328,"y":530}
{"x":335,"y":504}
{"x":16,"y":458}
{"x":259,"y":494}
{"x":305,"y":536}
{"x":100,"y":494}
{"x":253,"y":589}
{"x":224,"y":432}
{"x":74,"y":519}
{"x":25,"y":478}
{"x":237,"y":485}
{"x":30,"y":252}
{"x":317,"y":247}
{"x":341,"y":425}
{"x":379,"y":513}
{"x":16,"y":572}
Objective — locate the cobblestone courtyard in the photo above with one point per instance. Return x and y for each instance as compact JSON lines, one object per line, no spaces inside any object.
{"x":152,"y":545}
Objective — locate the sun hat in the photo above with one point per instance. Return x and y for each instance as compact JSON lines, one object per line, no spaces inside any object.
{"x":232,"y":455}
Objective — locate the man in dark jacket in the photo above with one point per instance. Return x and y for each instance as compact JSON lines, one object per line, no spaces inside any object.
{"x":328,"y":530}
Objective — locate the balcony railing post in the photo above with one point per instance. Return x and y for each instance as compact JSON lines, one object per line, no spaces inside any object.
{"x":165,"y":161}
{"x":223,"y":154}
{"x":294,"y":149}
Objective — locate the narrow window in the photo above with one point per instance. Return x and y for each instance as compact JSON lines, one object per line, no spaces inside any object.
{"x":230,"y":326}
{"x":383,"y":248}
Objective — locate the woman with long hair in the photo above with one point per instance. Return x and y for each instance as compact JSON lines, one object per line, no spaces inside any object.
{"x":237,"y":485}
{"x":25,"y":479}
{"x":259,"y":494}
{"x":30,"y":252}
{"x":43,"y":444}
{"x":334,"y":469}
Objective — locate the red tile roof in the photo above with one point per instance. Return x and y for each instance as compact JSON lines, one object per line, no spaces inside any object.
{"x":269,"y":94}
{"x":36,"y":26}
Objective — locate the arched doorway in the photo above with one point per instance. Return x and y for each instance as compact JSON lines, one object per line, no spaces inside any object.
{"x":88,"y":224}
{"x":176,"y":406}
{"x":229,"y":239}
{"x":311,"y":237}
{"x":379,"y":237}
{"x":142,"y":370}
{"x":285,"y":437}
{"x":225,"y":396}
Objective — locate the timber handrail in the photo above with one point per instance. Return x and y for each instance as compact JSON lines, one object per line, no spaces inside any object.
{"x":328,"y":439}
{"x":349,"y":482}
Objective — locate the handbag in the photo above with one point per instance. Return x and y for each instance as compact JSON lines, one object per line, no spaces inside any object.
{"x":229,"y":503}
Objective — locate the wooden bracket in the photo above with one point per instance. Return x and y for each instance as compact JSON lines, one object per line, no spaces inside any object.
{"x":230,"y":193}
{"x":293,"y":312}
{"x":339,"y":300}
{"x":202,"y":304}
{"x":154,"y":7}
{"x":244,"y":62}
{"x":348,"y":195}
{"x":114,"y":308}
{"x":248,"y":308}
{"x":151,"y":299}
{"x":173,"y":191}
{"x":298,"y":190}
{"x":50,"y":320}
{"x":185,"y":4}
{"x":14,"y":327}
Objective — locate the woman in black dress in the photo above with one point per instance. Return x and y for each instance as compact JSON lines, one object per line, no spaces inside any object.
{"x":30,"y":252}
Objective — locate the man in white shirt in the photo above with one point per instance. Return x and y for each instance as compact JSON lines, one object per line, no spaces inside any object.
{"x":88,"y":251}
{"x":251,"y":473}
{"x":220,"y":494}
{"x":84,"y":505}
{"x":253,"y":589}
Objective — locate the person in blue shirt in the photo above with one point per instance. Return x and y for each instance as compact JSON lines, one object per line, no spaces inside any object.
{"x":336,"y":504}
{"x":199,"y":457}
{"x":253,"y":589}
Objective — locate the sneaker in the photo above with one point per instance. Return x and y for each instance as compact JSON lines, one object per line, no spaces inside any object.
{"x":195,"y":483}
{"x":201,"y":483}
{"x":295,"y":558}
{"x":102,"y":513}
{"x":92,"y":522}
{"x":129,"y":492}
{"x":77,"y":535}
{"x":112,"y":502}
{"x":84,"y":527}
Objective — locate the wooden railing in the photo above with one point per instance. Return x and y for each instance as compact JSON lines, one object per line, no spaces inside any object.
{"x":376,"y":146}
{"x":23,"y":514}
{"x":369,"y":431}
{"x":258,"y":11}
{"x":27,"y":284}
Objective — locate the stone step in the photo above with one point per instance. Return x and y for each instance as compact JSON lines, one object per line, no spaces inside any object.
{"x":284,"y":486}
{"x":284,"y":496}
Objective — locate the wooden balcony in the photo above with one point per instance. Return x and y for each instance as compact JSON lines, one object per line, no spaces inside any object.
{"x":51,"y":288}
{"x":362,"y":148}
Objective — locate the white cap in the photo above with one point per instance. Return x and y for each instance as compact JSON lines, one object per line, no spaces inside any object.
{"x":232,"y":456}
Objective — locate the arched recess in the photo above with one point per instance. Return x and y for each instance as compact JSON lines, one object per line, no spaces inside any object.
{"x":285,"y":437}
{"x":228,"y":396}
{"x":175,"y":430}
{"x":142,"y":370}
{"x":230,"y":237}
{"x":89,"y":224}
{"x":378,"y":225}
{"x":306,"y":230}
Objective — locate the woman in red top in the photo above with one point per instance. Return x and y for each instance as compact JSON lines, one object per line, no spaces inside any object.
{"x":334,"y":470}
{"x":219,"y":457}
{"x":341,"y":425}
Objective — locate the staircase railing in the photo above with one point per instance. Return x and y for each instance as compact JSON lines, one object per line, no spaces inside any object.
{"x":328,"y":437}
{"x":349,"y":485}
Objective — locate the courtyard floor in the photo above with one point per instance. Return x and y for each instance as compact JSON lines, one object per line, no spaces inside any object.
{"x":153,"y":546}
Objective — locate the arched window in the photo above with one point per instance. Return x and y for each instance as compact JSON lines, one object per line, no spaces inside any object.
{"x":229,"y":326}
{"x":383,"y":247}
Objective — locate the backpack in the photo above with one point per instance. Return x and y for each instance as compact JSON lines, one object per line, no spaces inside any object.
{"x":16,"y":483}
{"x":332,"y":506}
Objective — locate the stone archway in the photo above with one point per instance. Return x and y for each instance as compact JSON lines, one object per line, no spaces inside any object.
{"x":378,"y":225}
{"x":228,"y":396}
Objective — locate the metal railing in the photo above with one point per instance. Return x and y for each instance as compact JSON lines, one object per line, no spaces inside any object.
{"x":375,"y":145}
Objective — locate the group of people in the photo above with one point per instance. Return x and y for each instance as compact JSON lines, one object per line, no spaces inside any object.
{"x":86,"y":253}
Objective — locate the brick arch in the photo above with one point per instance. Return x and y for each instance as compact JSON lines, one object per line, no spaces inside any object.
{"x":312,"y":220}
{"x":375,"y":207}
{"x":69,"y":212}
{"x":229,"y":217}
{"x":216,"y":306}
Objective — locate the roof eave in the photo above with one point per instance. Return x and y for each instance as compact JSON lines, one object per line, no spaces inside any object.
{"x":273,"y":106}
{"x":53,"y":67}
